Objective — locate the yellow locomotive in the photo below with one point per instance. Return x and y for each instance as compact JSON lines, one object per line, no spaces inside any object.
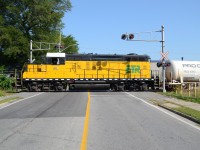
{"x":76,"y":71}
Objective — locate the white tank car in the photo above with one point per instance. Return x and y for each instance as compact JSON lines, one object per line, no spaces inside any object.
{"x":183,"y":71}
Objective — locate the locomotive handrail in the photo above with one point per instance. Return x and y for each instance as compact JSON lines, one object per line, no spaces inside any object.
{"x":111,"y":73}
{"x":23,"y":68}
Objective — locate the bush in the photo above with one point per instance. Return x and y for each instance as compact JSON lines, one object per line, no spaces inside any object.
{"x":6,"y":82}
{"x":2,"y":67}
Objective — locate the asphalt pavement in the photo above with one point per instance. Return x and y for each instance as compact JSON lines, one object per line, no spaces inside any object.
{"x":120,"y":121}
{"x":116,"y":121}
{"x":49,"y":121}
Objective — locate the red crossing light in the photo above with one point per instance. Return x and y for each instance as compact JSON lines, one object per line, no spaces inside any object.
{"x":131,"y":36}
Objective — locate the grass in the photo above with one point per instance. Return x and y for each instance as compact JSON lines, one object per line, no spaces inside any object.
{"x":2,"y":93}
{"x":182,"y":97}
{"x":8,"y":100}
{"x":188,"y":111}
{"x":7,"y":92}
{"x":182,"y":109}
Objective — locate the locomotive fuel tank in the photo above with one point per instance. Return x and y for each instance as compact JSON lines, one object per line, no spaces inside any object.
{"x":183,"y":71}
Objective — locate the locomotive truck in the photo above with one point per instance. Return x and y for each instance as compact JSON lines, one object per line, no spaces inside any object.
{"x":92,"y":71}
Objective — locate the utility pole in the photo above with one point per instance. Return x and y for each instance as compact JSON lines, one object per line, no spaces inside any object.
{"x":59,"y":44}
{"x":31,"y":52}
{"x":163,"y":60}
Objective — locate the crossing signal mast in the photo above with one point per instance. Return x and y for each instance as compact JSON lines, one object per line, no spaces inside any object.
{"x":131,"y":36}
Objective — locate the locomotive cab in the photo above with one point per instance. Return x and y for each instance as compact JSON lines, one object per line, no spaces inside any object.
{"x":55,"y":58}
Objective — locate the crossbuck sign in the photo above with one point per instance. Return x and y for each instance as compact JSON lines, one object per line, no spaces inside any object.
{"x":164,"y":56}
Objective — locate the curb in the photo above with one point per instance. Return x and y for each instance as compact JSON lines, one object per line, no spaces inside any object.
{"x":181,"y":114}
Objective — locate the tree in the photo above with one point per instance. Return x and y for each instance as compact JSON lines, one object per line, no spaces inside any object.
{"x":70,"y":44}
{"x":25,"y":20}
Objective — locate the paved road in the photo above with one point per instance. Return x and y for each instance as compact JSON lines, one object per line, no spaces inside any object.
{"x":49,"y":121}
{"x":118,"y":121}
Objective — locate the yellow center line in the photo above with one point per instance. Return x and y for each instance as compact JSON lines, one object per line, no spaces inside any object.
{"x":86,"y":125}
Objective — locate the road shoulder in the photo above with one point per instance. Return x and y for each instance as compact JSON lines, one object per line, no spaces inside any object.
{"x":185,"y":109}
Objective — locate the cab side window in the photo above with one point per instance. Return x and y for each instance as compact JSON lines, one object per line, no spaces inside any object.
{"x":55,"y":61}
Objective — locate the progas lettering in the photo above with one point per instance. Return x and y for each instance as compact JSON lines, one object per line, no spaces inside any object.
{"x":191,"y":65}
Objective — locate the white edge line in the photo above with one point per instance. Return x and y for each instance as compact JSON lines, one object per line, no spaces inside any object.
{"x":164,"y":111}
{"x":20,"y":101}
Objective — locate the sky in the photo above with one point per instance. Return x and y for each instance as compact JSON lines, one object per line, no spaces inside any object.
{"x":97,"y":25}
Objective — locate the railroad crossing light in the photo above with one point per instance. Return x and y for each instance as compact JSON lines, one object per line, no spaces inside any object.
{"x":159,"y":64}
{"x":131,"y":36}
{"x":124,"y":37}
{"x":57,"y":46}
{"x":167,"y":64}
